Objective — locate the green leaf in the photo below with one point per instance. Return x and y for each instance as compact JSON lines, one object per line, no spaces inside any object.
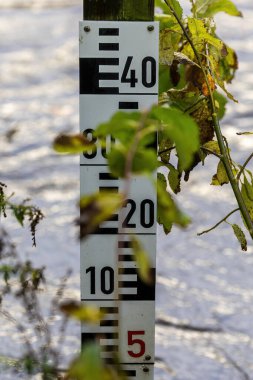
{"x":247,"y":197}
{"x":7,"y":271}
{"x":201,"y":36}
{"x":161,"y":4}
{"x":174,"y":178}
{"x":248,"y":188}
{"x":182,"y":130}
{"x":220,"y":178}
{"x":175,"y":5}
{"x":164,"y":78}
{"x":81,"y":312}
{"x":227,"y":65}
{"x":88,"y":365}
{"x":122,"y":126}
{"x":72,"y":144}
{"x":167,"y":211}
{"x":142,"y":260}
{"x":209,"y":8}
{"x":19,"y":212}
{"x":97,"y":208}
{"x":240,"y":236}
{"x":144,"y":161}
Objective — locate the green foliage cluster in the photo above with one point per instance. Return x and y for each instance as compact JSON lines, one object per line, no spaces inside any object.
{"x":195,"y":68}
{"x":22,"y":212}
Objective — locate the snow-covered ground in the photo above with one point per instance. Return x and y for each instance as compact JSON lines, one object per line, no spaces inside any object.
{"x":204,"y":284}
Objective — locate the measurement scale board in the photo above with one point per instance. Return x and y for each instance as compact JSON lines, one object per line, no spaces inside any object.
{"x":118,"y":71}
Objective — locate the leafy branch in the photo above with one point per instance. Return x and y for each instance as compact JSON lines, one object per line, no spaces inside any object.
{"x":224,"y":153}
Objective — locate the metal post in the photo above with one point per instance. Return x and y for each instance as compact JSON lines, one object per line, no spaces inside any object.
{"x":118,"y":43}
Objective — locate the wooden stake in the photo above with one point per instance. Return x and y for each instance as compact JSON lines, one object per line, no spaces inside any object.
{"x":119,"y":10}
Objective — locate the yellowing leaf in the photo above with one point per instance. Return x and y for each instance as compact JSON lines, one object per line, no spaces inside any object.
{"x":248,"y":188}
{"x":212,"y":86}
{"x":72,"y":144}
{"x":166,"y":47}
{"x":220,"y":178}
{"x":240,"y":236}
{"x":212,"y":146}
{"x":247,"y":194}
{"x":220,"y":103}
{"x":143,"y":262}
{"x":244,"y":133}
{"x":201,"y":36}
{"x":96,"y":208}
{"x":81,"y":312}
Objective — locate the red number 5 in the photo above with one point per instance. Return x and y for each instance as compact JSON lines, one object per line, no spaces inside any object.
{"x":141,"y":344}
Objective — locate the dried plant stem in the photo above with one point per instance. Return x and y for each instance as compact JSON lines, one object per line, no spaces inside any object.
{"x":224,"y":154}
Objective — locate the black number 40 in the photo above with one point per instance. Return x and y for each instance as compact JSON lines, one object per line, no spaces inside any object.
{"x":148,"y":72}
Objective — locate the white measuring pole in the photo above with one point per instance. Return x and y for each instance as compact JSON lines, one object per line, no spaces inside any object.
{"x":118,"y":71}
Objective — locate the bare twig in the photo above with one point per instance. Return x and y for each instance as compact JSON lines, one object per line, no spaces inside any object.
{"x":217,"y":224}
{"x":244,"y":166}
{"x":230,"y":360}
{"x":186,"y":326}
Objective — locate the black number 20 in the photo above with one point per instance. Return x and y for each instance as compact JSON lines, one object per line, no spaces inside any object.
{"x":147,"y":213}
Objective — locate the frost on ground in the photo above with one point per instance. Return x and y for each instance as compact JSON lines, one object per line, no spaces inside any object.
{"x":204,"y":284}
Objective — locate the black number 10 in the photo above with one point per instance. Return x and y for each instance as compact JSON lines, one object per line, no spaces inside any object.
{"x":106,"y":280}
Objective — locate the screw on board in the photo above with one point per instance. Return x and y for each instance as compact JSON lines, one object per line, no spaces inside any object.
{"x":150,"y":28}
{"x":86,"y":29}
{"x":145,"y":369}
{"x":147,"y":357}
